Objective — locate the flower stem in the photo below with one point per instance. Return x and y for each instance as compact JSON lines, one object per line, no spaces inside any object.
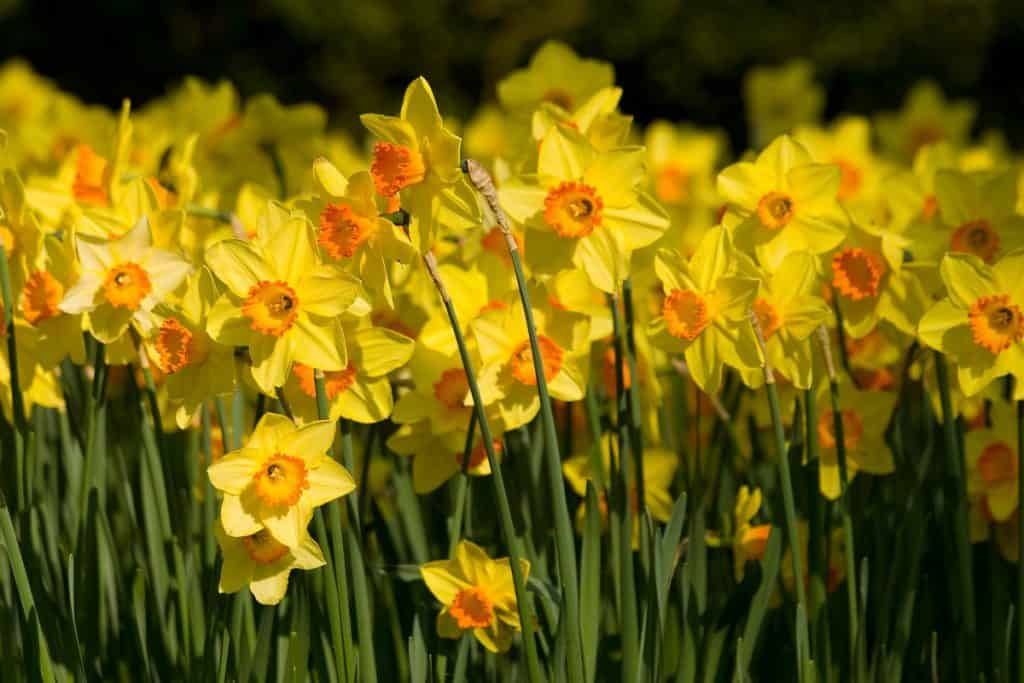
{"x":565,"y":540}
{"x":17,"y":398}
{"x":508,"y":529}
{"x":785,"y":479}
{"x":461,"y":485}
{"x":965,"y":569}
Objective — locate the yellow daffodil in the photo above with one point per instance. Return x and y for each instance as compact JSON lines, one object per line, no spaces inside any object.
{"x":361,"y":392}
{"x":555,"y":74}
{"x":39,"y":385}
{"x":597,"y":119}
{"x":276,"y":480}
{"x":54,"y":272}
{"x":584,"y":208}
{"x":865,"y":415}
{"x":281,"y":301}
{"x":783,"y":202}
{"x":121,"y":281}
{"x":416,"y":167}
{"x":20,"y":232}
{"x":351,"y":232}
{"x":980,"y":325}
{"x":195,"y":366}
{"x":748,"y":541}
{"x":847,"y":144}
{"x":439,"y":392}
{"x":992,"y":463}
{"x":779,"y":98}
{"x":439,"y":457}
{"x":789,"y":310}
{"x":477,"y":593}
{"x":926,"y":118}
{"x":705,"y":314}
{"x":683,"y":160}
{"x":263,"y":563}
{"x":659,"y":473}
{"x":507,"y":376}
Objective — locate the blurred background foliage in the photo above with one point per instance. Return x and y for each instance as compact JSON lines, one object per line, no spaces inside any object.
{"x":678,"y":59}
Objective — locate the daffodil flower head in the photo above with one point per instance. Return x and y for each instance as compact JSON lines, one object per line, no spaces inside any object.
{"x":682,"y":160}
{"x":980,"y":324}
{"x":555,"y":74}
{"x":261,"y":562}
{"x":992,"y":463}
{"x":53,"y":272}
{"x":779,"y":98}
{"x":926,"y":118}
{"x":597,"y":119}
{"x":846,"y":144}
{"x":121,"y":281}
{"x":477,"y":595}
{"x":705,"y":314}
{"x":280,"y":301}
{"x":277,"y":479}
{"x":783,"y":202}
{"x":584,"y":208}
{"x":749,"y":541}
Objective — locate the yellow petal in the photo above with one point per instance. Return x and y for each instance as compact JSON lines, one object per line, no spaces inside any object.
{"x":327,"y":482}
{"x":234,"y":471}
{"x":239,"y":265}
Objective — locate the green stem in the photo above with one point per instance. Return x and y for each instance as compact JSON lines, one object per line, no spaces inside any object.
{"x":95,"y":404}
{"x":636,"y":434}
{"x":526,"y":618}
{"x":462,"y":484}
{"x":965,"y":569}
{"x":17,"y":399}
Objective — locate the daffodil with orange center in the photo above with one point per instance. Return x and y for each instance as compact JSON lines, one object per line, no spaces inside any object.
{"x":992,"y":463}
{"x":416,"y":167}
{"x":280,"y":300}
{"x":360,"y":392}
{"x":980,"y":323}
{"x":195,"y":367}
{"x":277,"y":479}
{"x":864,"y":415}
{"x":53,"y":272}
{"x":748,"y":541}
{"x":121,"y":281}
{"x":926,"y":118}
{"x":584,"y":208}
{"x":350,"y":231}
{"x":261,"y":562}
{"x":789,"y":309}
{"x":847,"y":145}
{"x":705,"y":314}
{"x":476,"y":594}
{"x":783,"y":202}
{"x":508,"y":378}
{"x":659,"y":474}
{"x":20,"y":231}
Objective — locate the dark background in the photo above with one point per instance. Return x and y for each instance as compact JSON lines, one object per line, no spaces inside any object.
{"x":677,"y":59}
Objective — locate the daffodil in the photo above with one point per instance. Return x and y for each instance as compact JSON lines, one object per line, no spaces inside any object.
{"x":992,"y":463}
{"x":351,"y":231}
{"x":507,"y":376}
{"x":439,"y":457}
{"x":478,"y":595}
{"x":20,"y":232}
{"x":847,"y":144}
{"x":748,"y":541}
{"x":416,"y":167}
{"x":659,"y":472}
{"x":263,"y":563}
{"x":783,"y":202}
{"x":682,"y":160}
{"x":439,"y":392}
{"x":195,"y":366}
{"x":121,"y":281}
{"x":980,"y":324}
{"x":705,"y":314}
{"x":39,"y":385}
{"x":926,"y":118}
{"x":54,"y":271}
{"x":584,"y":208}
{"x":277,"y":479}
{"x":597,"y":119}
{"x":555,"y":74}
{"x":864,"y":416}
{"x":789,"y":310}
{"x":361,"y":392}
{"x":779,"y":98}
{"x":281,"y":301}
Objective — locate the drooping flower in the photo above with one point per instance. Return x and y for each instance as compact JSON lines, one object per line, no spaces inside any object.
{"x":783,"y":202}
{"x":992,"y":462}
{"x":54,"y":271}
{"x":748,"y":541}
{"x":980,"y":324}
{"x":281,"y":301}
{"x":121,"y":281}
{"x":263,"y":563}
{"x":478,"y":595}
{"x":277,"y":479}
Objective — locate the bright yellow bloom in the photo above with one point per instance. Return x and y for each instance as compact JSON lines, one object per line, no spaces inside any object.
{"x":682,"y":160}
{"x":20,"y":232}
{"x":555,"y":74}
{"x":980,"y":324}
{"x":992,"y":463}
{"x":121,"y":281}
{"x":926,"y":118}
{"x":748,"y":541}
{"x":263,"y":563}
{"x":705,"y":314}
{"x":439,"y":457}
{"x":416,"y":167}
{"x":477,"y":593}
{"x":54,"y":271}
{"x":597,"y":119}
{"x":276,"y":480}
{"x":281,"y":301}
{"x":865,"y":415}
{"x":779,"y":98}
{"x":847,"y":144}
{"x":584,"y":208}
{"x":783,"y":202}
